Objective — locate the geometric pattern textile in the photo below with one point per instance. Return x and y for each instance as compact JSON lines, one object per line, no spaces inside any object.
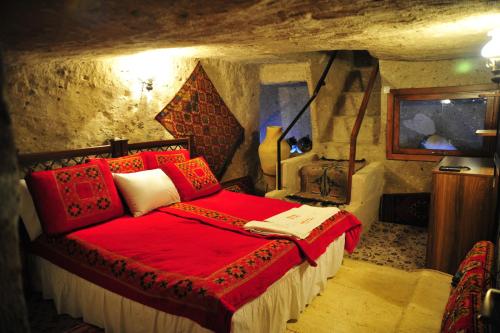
{"x":198,"y":110}
{"x":239,"y":185}
{"x":126,"y":164}
{"x":158,"y":159}
{"x":325,"y":181}
{"x":82,"y":191}
{"x":75,"y":197}
{"x":193,"y":179}
{"x":469,"y":286}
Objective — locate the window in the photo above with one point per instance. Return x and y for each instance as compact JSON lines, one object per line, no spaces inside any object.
{"x":279,"y":104}
{"x":427,"y":123}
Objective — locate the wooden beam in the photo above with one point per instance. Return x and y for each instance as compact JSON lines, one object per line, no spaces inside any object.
{"x":356,"y":128}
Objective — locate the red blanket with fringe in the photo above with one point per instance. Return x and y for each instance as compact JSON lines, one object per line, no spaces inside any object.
{"x":186,"y":266}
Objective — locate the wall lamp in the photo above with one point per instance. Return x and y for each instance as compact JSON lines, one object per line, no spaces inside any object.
{"x":148,"y":84}
{"x":491,"y":51}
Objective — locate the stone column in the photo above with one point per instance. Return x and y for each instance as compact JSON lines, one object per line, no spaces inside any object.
{"x":13,"y":316}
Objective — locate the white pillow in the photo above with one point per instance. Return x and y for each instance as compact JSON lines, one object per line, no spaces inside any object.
{"x":28,"y":212}
{"x":146,"y":190}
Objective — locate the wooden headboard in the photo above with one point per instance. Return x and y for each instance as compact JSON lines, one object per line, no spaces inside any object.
{"x":116,"y":148}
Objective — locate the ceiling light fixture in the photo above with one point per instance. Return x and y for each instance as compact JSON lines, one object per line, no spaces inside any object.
{"x":491,"y":51}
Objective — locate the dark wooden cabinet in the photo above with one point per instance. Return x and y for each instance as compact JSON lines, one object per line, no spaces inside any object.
{"x":462,"y":211}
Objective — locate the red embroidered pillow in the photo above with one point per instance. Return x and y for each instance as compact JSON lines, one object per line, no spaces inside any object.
{"x":155,"y":160}
{"x":192,"y":178}
{"x":127,"y":164}
{"x":71,"y":198}
{"x":470,"y":284}
{"x":461,"y":314}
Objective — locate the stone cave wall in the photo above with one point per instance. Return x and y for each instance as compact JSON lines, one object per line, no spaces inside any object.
{"x":70,"y":103}
{"x":309,"y":67}
{"x":400,"y":176}
{"x":413,"y":176}
{"x":239,"y":87}
{"x":13,"y":314}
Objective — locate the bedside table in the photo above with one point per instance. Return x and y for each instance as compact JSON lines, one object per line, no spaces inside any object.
{"x":462,"y":212}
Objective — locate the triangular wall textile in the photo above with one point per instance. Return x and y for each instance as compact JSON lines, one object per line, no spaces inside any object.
{"x":197,"y":110}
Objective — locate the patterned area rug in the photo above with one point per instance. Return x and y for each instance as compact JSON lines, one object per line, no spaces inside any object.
{"x":198,"y":110}
{"x":397,"y":245}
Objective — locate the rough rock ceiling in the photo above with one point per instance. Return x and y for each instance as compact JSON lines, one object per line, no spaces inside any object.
{"x":246,"y":29}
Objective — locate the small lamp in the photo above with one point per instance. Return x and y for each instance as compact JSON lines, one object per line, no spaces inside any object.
{"x":149,"y":84}
{"x":491,"y":51}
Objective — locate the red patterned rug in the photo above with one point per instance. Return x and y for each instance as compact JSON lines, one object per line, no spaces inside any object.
{"x":197,"y":110}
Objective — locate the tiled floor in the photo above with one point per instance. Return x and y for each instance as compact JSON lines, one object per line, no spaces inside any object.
{"x":396,"y":245}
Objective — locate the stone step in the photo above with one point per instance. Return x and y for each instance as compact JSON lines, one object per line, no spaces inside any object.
{"x":335,"y":150}
{"x":357,"y":79}
{"x":349,"y":103}
{"x":369,"y":132}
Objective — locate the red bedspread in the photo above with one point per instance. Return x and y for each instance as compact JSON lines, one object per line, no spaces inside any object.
{"x":231,"y":210}
{"x":184,"y":267}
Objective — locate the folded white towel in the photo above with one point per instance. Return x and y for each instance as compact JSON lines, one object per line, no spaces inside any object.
{"x":298,"y":222}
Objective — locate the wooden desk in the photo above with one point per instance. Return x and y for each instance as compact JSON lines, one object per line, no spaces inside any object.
{"x":462,"y":211}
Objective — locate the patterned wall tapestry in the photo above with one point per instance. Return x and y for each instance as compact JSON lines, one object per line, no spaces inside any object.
{"x":198,"y":110}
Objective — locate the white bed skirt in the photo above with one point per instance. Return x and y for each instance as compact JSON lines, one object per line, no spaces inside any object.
{"x":282,"y":301}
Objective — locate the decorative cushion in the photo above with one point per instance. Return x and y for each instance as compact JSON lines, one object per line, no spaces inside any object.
{"x":27,"y":211}
{"x":192,"y":178}
{"x":127,"y":164}
{"x":156,"y":160}
{"x":470,"y":284}
{"x":325,"y":181}
{"x":146,"y":190}
{"x":461,"y":314}
{"x":74,"y":197}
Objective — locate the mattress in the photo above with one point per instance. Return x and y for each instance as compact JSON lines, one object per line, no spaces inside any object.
{"x":269,"y":312}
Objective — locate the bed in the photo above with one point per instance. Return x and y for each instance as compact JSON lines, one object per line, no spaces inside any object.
{"x":185,"y":267}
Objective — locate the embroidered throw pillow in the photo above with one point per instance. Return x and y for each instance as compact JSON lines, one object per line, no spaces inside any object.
{"x":146,"y":190}
{"x":192,"y":178}
{"x":469,"y":287}
{"x":74,"y":197}
{"x":127,"y":164}
{"x":461,"y":313}
{"x":159,"y":159}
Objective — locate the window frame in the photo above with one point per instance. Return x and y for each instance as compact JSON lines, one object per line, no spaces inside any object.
{"x":395,"y":152}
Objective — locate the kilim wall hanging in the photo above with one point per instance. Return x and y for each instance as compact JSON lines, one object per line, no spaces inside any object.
{"x":198,"y":110}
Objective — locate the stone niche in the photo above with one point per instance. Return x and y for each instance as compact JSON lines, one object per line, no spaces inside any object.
{"x":65,"y":103}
